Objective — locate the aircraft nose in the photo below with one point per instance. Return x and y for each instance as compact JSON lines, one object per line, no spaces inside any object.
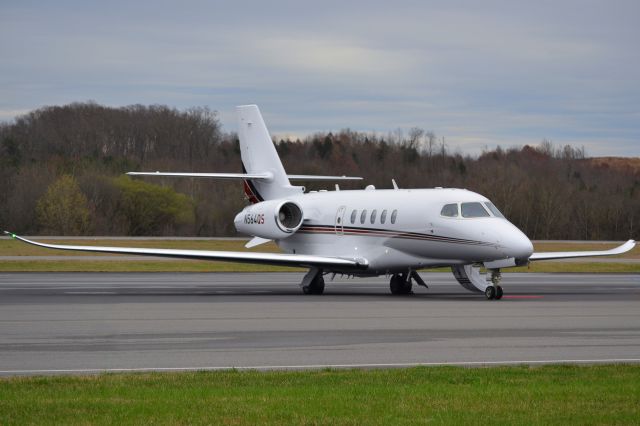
{"x":519,"y":246}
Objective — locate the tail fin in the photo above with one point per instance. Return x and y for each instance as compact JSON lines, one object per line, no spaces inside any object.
{"x":263,"y":175}
{"x":259,"y":156}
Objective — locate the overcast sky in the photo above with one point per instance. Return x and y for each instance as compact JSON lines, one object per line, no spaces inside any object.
{"x":480,"y":73}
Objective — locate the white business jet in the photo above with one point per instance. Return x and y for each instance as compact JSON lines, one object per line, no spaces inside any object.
{"x":369,"y":232}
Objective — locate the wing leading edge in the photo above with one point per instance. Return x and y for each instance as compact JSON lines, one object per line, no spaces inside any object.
{"x":629,"y":245}
{"x":228,"y":256}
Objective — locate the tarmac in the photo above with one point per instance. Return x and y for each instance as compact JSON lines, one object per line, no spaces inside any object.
{"x":75,"y":323}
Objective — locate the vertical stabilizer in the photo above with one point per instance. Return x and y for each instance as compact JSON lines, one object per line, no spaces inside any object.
{"x":259,"y":155}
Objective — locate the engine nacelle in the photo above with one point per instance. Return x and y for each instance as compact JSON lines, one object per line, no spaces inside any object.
{"x":274,"y":220}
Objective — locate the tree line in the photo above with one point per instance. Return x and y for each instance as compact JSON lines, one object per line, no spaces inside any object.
{"x":61,"y":172}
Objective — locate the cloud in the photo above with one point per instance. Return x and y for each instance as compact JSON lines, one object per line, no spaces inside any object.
{"x":476,"y":72}
{"x":10,"y":114}
{"x":322,"y":56}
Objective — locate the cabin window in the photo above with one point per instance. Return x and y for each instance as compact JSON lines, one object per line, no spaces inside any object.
{"x":353,"y":216}
{"x":394,"y":215}
{"x":373,"y":216}
{"x":473,"y":210}
{"x":383,"y":216}
{"x":449,"y":210}
{"x":363,"y":216}
{"x":493,"y":209}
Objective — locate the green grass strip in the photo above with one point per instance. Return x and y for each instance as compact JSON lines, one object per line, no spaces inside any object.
{"x":584,"y":395}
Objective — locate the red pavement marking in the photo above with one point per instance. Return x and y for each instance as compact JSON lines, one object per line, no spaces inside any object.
{"x":522,"y":297}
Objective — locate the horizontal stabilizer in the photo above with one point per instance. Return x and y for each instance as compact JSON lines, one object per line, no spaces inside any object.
{"x":629,"y":245}
{"x":265,"y":176}
{"x":253,"y":176}
{"x":316,"y":177}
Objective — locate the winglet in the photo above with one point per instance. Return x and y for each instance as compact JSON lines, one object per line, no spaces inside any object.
{"x":11,"y":234}
{"x":629,"y":245}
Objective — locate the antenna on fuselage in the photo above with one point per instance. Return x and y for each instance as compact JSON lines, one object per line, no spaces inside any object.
{"x":395,"y":185}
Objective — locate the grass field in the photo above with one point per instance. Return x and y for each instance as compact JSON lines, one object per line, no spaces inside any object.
{"x":10,"y":247}
{"x":606,"y":394}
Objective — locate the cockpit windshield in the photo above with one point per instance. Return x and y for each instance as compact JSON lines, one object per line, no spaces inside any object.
{"x":494,"y":210}
{"x":450,"y":210}
{"x":473,"y":210}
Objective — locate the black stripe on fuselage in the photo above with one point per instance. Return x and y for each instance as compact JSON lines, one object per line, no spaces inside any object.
{"x":377,"y":232}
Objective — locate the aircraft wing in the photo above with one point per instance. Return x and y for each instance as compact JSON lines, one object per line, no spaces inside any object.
{"x":281,"y":259}
{"x":629,"y":245}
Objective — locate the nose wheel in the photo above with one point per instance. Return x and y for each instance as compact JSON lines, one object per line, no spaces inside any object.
{"x":494,"y":291}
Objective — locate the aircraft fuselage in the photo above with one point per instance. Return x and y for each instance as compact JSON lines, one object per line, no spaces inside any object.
{"x":400,"y":229}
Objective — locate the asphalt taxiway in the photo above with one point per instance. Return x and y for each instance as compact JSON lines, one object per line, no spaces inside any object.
{"x":86,"y":322}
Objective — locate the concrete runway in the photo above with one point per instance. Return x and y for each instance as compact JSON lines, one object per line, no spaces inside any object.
{"x":84,"y":322}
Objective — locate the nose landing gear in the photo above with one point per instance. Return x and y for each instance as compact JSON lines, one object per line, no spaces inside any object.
{"x":469,"y":277}
{"x":494,"y":291}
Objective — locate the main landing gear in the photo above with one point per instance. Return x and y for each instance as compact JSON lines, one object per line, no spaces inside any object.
{"x":402,"y":283}
{"x":494,"y":291}
{"x":313,"y":283}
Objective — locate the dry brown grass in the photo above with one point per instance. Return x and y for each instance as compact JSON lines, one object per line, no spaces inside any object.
{"x":631,"y":164}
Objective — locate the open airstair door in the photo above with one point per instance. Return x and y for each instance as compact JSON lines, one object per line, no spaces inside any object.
{"x":469,"y":277}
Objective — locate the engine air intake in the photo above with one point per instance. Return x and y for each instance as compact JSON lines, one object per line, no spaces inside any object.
{"x":289,"y":217}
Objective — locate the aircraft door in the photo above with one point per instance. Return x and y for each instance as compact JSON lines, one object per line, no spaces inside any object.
{"x":339,"y":223}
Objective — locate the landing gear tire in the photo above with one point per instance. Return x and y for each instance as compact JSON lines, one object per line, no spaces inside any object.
{"x":395,"y":284}
{"x":399,"y":284}
{"x":316,"y":286}
{"x":490,"y":292}
{"x":494,"y":291}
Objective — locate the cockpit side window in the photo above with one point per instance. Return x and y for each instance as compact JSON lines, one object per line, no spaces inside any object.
{"x":494,"y":210}
{"x":473,"y":210}
{"x":449,"y":210}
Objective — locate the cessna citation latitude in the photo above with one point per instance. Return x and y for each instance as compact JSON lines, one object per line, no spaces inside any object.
{"x":370,"y":232}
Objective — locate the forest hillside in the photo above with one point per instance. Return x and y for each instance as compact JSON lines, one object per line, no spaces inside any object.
{"x":61,"y":172}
